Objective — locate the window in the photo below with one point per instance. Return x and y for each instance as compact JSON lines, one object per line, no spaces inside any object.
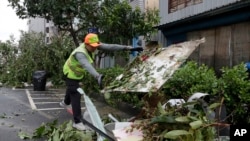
{"x":175,"y":5}
{"x":47,"y":29}
{"x":47,"y":40}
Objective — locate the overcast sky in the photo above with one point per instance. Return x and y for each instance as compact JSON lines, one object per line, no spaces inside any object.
{"x":10,"y":24}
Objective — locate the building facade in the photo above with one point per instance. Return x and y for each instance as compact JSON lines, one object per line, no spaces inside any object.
{"x":137,"y":3}
{"x":41,"y":25}
{"x":224,"y":24}
{"x":144,"y":4}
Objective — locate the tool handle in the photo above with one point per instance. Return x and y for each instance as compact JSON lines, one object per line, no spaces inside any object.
{"x":97,"y":130}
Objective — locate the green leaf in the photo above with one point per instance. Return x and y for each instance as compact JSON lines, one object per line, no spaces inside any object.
{"x":56,"y":136}
{"x":183,"y":119}
{"x":164,"y":119}
{"x":174,"y":134}
{"x":214,"y":105}
{"x":72,"y":8}
{"x":68,"y":126}
{"x":193,"y":118}
{"x":84,"y":136}
{"x":107,"y":95}
{"x":198,"y":135}
{"x":196,"y":124}
{"x":39,"y":132}
{"x":24,"y":135}
{"x":161,"y":109}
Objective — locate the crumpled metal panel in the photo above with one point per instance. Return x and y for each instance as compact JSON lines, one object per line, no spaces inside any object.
{"x":148,"y":73}
{"x":93,"y":113}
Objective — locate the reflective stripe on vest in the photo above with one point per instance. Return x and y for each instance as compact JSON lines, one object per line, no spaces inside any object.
{"x":72,"y":68}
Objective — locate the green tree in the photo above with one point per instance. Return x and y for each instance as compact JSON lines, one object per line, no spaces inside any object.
{"x":120,"y":22}
{"x":63,"y":13}
{"x":18,"y":64}
{"x":8,"y":55}
{"x":115,"y":19}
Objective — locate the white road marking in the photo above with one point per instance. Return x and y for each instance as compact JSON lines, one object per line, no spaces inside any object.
{"x":47,"y":98}
{"x":48,"y":94}
{"x":46,"y":102}
{"x":32,"y":104}
{"x":47,"y":109}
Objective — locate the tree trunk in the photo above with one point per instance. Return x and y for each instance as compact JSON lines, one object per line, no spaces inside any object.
{"x":73,"y":34}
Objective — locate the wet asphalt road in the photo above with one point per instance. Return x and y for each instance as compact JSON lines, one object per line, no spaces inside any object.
{"x":25,"y":110}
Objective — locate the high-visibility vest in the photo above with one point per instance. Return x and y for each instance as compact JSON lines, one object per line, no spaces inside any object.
{"x":72,"y":68}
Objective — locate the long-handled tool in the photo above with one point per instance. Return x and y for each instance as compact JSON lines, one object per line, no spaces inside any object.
{"x":103,"y":134}
{"x":93,"y":127}
{"x":95,"y":118}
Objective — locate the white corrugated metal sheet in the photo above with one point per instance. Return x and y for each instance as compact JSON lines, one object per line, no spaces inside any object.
{"x":206,"y":5}
{"x":137,"y":3}
{"x":147,"y":73}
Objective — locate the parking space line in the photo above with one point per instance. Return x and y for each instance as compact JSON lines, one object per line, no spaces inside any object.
{"x":48,"y":94}
{"x":32,"y":104}
{"x":46,"y":102}
{"x":44,"y":98}
{"x":47,"y":98}
{"x":47,"y":109}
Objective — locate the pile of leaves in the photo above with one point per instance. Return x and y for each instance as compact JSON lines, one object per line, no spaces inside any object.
{"x":188,"y":122}
{"x":54,"y":132}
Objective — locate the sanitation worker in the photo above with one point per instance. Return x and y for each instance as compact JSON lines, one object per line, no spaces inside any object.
{"x":78,"y":65}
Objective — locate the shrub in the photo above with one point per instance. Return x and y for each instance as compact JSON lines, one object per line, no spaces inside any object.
{"x":191,"y":78}
{"x":235,"y":87}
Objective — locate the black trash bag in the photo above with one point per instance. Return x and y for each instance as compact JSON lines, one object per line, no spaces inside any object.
{"x":39,"y":80}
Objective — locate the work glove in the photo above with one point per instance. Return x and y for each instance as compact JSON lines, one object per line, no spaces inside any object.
{"x":99,"y":80}
{"x":139,"y":49}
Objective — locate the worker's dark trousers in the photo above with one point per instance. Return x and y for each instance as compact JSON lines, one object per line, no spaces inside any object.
{"x":73,"y":97}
